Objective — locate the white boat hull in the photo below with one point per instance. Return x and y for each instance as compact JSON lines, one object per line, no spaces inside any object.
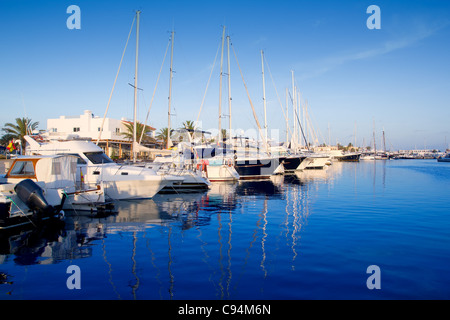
{"x":221,"y":173}
{"x":135,"y":189}
{"x":312,"y":163}
{"x":192,"y":179}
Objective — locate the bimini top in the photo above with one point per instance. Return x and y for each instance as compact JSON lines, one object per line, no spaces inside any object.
{"x":58,"y":171}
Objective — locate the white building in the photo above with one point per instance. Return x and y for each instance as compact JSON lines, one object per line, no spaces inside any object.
{"x":88,"y":126}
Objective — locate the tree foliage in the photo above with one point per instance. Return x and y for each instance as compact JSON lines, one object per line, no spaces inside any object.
{"x":128,"y":134}
{"x":18,"y":130}
{"x":162,"y":135}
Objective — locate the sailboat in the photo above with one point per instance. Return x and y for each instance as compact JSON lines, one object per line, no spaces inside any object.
{"x":250,"y":162}
{"x":382,"y":155}
{"x":444,"y":158}
{"x":371,"y":156}
{"x":175,"y":163}
{"x":313,"y":160}
{"x":288,"y":162}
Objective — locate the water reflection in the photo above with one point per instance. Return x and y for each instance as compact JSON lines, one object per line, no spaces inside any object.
{"x":34,"y":246}
{"x":235,"y":231}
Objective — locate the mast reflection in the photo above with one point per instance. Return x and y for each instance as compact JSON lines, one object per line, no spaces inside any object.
{"x":239,"y":231}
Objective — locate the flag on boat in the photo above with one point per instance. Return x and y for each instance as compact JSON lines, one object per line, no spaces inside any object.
{"x":11,"y":146}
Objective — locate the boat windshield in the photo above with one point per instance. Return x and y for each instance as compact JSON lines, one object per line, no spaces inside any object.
{"x":22,"y":168}
{"x":98,"y":157}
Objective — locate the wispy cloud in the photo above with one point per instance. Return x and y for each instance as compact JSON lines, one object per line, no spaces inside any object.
{"x":328,"y":63}
{"x":259,"y":41}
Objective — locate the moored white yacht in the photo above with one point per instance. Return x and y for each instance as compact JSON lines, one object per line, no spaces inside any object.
{"x":179,"y":165}
{"x":315,"y":162}
{"x":220,"y":169}
{"x":37,"y":188}
{"x":211,"y":162}
{"x":367,"y":157}
{"x":94,"y":167}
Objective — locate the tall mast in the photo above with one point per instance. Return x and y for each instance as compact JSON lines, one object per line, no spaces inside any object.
{"x":287,"y":118}
{"x":374,"y":142}
{"x":329,"y":135}
{"x":135,"y":85}
{"x":301,"y":115}
{"x":229,"y":88}
{"x":293,"y":111}
{"x":170,"y":90}
{"x":219,"y":137}
{"x":264,"y":95}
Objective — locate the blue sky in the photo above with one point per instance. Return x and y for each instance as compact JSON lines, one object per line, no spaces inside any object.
{"x":396,"y":78}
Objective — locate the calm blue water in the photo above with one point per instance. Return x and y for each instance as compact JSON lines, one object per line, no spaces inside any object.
{"x":310,"y":236}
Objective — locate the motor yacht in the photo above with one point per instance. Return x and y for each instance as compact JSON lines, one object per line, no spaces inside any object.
{"x":94,"y":167}
{"x":38,"y":188}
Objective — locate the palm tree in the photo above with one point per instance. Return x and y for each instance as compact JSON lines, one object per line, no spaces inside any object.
{"x":224,"y":134}
{"x":128,"y":134}
{"x":162,"y":134}
{"x":187,"y":128}
{"x":5,"y":139}
{"x":23,"y":127}
{"x":189,"y":125}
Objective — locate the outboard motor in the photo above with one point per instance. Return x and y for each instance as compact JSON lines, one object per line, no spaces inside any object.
{"x":32,"y":195}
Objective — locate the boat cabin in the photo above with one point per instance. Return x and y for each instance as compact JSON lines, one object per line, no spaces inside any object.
{"x":57,"y":171}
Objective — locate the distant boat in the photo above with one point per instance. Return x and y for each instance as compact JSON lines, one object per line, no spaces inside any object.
{"x":367,"y":157}
{"x":351,"y":157}
{"x":444,"y":158}
{"x":382,"y":156}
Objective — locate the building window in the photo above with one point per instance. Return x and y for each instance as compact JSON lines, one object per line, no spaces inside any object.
{"x":117,"y":130}
{"x":54,"y":130}
{"x":76,"y":129}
